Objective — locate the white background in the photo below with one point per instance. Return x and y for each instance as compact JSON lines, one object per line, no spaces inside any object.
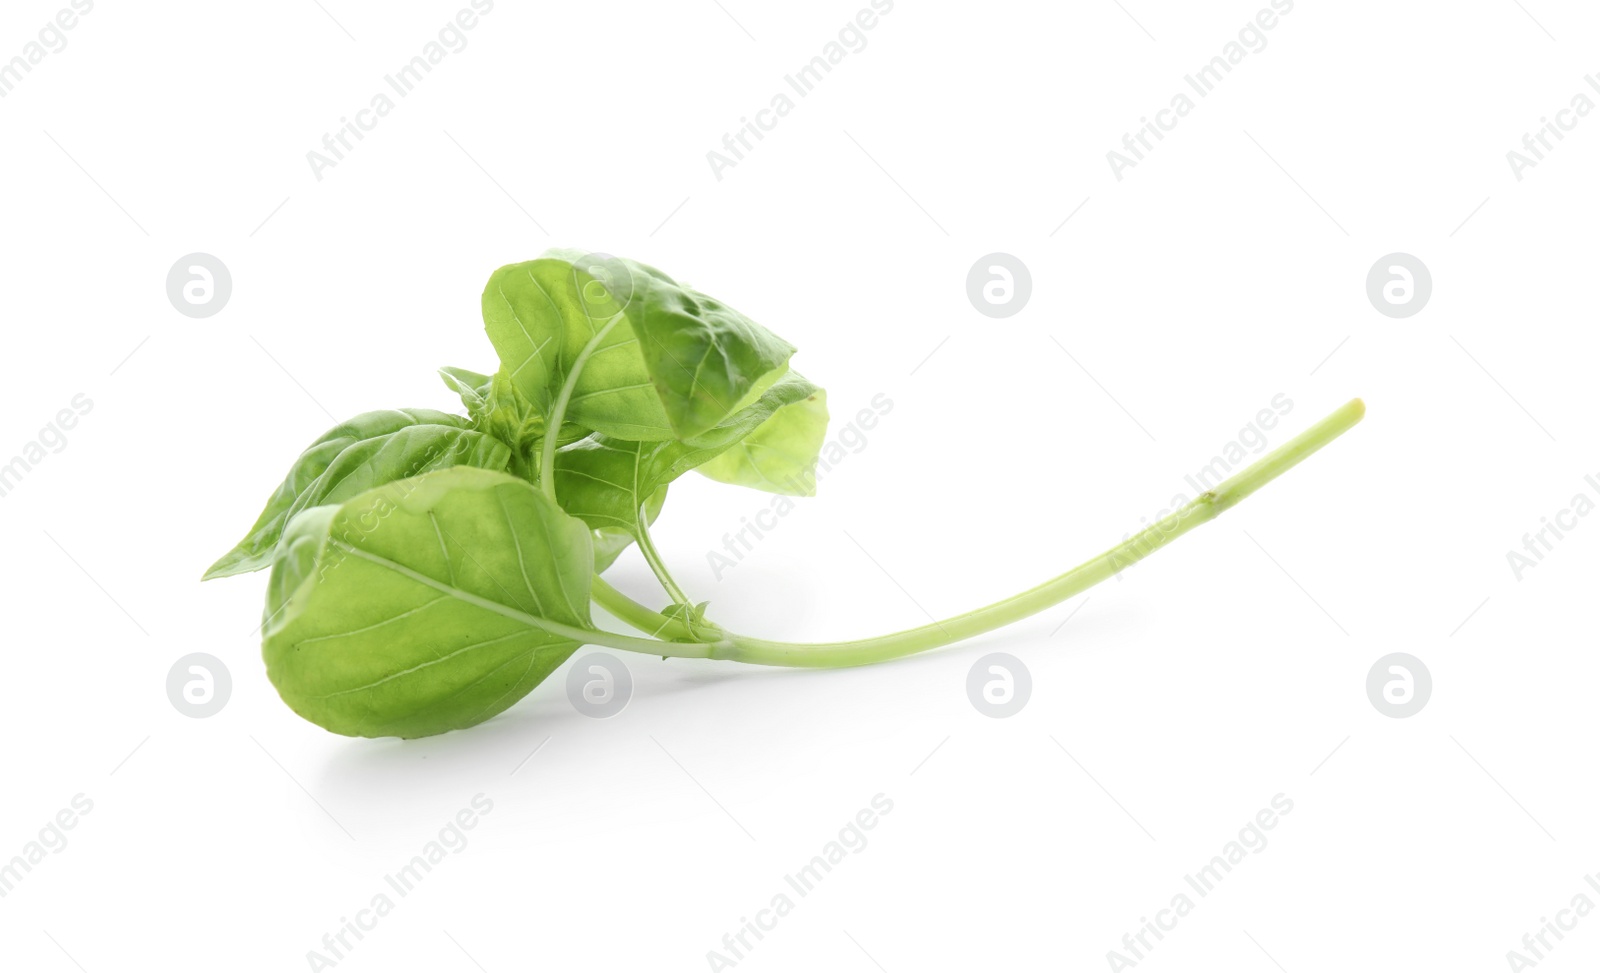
{"x":1176,"y":702}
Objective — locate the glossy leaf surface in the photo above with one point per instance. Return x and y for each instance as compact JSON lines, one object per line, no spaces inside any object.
{"x":425,"y":605}
{"x":605,"y":481}
{"x":372,"y":449}
{"x":647,"y":358}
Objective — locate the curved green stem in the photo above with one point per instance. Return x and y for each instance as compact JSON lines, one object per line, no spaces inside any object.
{"x":652,"y":557}
{"x":1206,"y":507}
{"x":558,"y":410}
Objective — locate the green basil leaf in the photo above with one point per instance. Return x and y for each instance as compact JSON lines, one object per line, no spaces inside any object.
{"x":473,"y":387}
{"x":694,"y":619}
{"x":420,"y":606}
{"x":781,"y":455}
{"x":604,"y":481}
{"x":610,"y":542}
{"x":707,"y":359}
{"x":653,"y":359}
{"x":544,"y":317}
{"x":372,"y":449}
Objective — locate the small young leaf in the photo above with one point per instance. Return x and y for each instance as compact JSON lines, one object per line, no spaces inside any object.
{"x":604,"y":481}
{"x":694,"y":619}
{"x":422,"y":606}
{"x":498,"y":409}
{"x":781,"y":455}
{"x":372,"y":449}
{"x":473,"y":387}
